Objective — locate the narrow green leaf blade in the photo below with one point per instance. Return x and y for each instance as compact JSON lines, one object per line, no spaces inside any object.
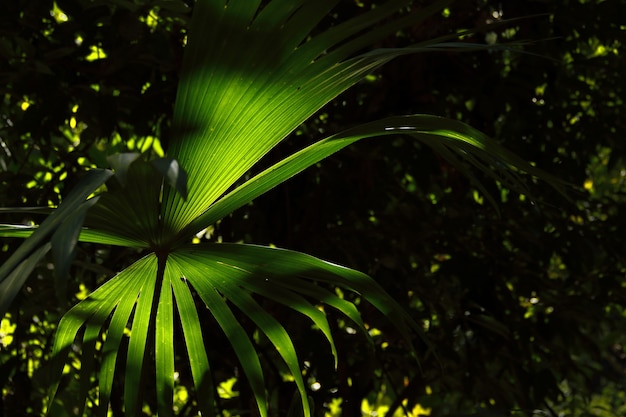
{"x":142,"y":319}
{"x":273,"y":330}
{"x":16,"y":230}
{"x":196,"y":273}
{"x":64,"y":241}
{"x":196,"y":348}
{"x":102,"y":237}
{"x":164,"y":349}
{"x":86,"y":235}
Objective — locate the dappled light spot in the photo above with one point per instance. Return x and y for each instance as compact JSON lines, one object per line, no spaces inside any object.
{"x":58,"y":14}
{"x":96,"y":53}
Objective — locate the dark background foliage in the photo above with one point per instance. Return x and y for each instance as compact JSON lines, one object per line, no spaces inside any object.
{"x":523,"y":306}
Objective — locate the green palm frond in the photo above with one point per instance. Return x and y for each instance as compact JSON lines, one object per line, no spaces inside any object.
{"x":452,"y":139}
{"x":251,"y":77}
{"x":110,"y":308}
{"x":217,"y":272}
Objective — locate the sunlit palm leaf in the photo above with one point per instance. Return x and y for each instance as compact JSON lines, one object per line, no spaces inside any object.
{"x":199,"y":277}
{"x":291,"y":269}
{"x":272,"y":330}
{"x":118,"y":296}
{"x":163,"y":353}
{"x":272,"y":76}
{"x":114,"y":335}
{"x":102,"y":237}
{"x":141,"y":324}
{"x":224,"y":278}
{"x":251,"y":80}
{"x":286,"y":296}
{"x":237,"y":271}
{"x":455,"y":140}
{"x":92,"y":313}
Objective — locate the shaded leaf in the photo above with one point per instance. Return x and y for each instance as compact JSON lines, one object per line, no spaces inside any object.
{"x":87,"y":185}
{"x":129,"y":212}
{"x":64,"y":241}
{"x":174,"y":175}
{"x":120,"y":162}
{"x":31,"y":250}
{"x":18,"y":276}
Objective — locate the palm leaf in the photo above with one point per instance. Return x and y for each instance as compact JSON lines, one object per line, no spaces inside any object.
{"x":194,"y":339}
{"x":235,"y":272}
{"x":140,"y":333}
{"x":454,"y":140}
{"x":250,"y":78}
{"x":199,"y":276}
{"x":163,"y":354}
{"x":129,"y":210}
{"x":63,"y":242}
{"x":88,"y":184}
{"x":61,"y":227}
{"x":114,"y":335}
{"x":251,"y":101}
{"x":117,"y":297}
{"x":87,"y":234}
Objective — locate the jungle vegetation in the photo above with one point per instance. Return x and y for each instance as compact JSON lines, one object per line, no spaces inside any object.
{"x":196,"y":210}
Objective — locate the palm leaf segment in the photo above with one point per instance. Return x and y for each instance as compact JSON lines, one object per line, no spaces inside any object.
{"x":252,"y":74}
{"x":270,"y":76}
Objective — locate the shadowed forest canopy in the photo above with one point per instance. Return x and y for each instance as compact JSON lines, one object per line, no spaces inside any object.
{"x":522,"y":302}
